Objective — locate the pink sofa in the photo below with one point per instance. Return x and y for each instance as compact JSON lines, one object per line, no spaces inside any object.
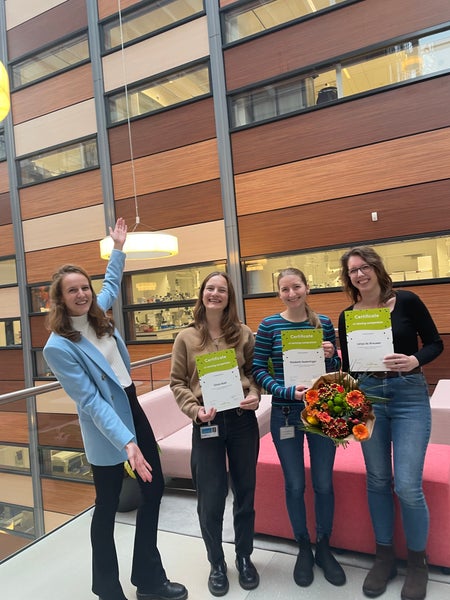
{"x":352,"y":527}
{"x":173,"y":429}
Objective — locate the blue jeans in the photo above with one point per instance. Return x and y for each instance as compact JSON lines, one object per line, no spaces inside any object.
{"x":290,"y":452}
{"x":237,"y":444}
{"x":402,"y":431}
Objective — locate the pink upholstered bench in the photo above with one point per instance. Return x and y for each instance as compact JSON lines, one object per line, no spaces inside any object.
{"x":352,"y":527}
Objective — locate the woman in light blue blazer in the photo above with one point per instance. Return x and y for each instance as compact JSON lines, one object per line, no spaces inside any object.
{"x":89,"y":358}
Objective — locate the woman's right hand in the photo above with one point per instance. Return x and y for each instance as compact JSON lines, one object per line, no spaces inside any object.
{"x":204,"y":416}
{"x":300,"y":392}
{"x":138,"y":462}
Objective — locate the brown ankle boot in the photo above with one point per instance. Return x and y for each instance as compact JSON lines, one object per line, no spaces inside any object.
{"x":383,"y":570}
{"x":415,"y":586}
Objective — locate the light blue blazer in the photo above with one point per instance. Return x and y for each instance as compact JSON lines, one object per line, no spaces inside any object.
{"x":103,"y":408}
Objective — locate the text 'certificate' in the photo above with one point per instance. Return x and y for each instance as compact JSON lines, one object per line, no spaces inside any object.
{"x":369,"y":338}
{"x":218,"y":373}
{"x":303,"y":357}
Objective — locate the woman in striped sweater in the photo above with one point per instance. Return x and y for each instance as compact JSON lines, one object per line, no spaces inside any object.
{"x":288,"y":437}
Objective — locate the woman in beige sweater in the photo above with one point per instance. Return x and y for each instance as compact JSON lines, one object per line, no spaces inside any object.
{"x":220,"y":435}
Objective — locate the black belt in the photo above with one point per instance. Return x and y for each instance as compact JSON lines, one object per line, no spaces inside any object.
{"x":391,"y":374}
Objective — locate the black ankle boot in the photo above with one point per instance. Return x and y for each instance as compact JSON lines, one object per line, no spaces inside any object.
{"x":303,"y":570}
{"x":332,"y":570}
{"x":218,"y":581}
{"x":415,"y":586}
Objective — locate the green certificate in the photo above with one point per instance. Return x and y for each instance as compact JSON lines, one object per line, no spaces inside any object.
{"x":218,"y":373}
{"x":303,"y":357}
{"x":369,"y":338}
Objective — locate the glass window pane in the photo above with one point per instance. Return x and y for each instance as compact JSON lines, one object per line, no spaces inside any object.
{"x":10,"y":333}
{"x":65,"y":464}
{"x":2,"y":145}
{"x":263,"y":15}
{"x":51,"y":61}
{"x":15,"y":458}
{"x":150,"y":19}
{"x":405,"y":261}
{"x":166,"y":91}
{"x":16,"y":518}
{"x":62,"y":161}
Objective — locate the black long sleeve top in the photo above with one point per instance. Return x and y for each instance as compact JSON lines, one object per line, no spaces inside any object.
{"x":410,"y":320}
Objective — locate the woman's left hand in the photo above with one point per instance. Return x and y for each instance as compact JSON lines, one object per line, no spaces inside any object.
{"x":250,"y":402}
{"x":328,"y":349}
{"x":119,"y":233}
{"x":138,"y":462}
{"x":400,"y":362}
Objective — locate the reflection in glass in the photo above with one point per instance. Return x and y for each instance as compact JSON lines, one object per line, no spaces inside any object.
{"x":16,"y":518}
{"x":417,"y":57}
{"x":10,"y":332}
{"x":50,"y":61}
{"x":405,"y":261}
{"x":68,"y":464}
{"x":61,"y":161}
{"x":149,"y":19}
{"x":262,"y":15}
{"x":15,"y":458}
{"x":170,"y":90}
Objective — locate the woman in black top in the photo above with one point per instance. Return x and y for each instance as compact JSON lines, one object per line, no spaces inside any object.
{"x":402,"y":429}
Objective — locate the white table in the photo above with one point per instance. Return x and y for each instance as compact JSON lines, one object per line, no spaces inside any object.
{"x":440,"y":412}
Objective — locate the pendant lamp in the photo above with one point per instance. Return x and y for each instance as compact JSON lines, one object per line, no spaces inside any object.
{"x":5,"y":102}
{"x":139,"y":245}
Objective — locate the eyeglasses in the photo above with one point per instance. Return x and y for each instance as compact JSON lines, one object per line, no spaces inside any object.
{"x":363,"y":268}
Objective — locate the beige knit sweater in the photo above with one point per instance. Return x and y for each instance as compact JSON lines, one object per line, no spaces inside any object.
{"x":184,"y":377}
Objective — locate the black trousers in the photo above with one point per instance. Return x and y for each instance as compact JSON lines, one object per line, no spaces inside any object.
{"x":147,"y":570}
{"x":238,"y":441}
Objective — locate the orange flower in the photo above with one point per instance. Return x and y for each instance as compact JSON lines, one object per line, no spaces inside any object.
{"x":360,"y":432}
{"x":355,"y":398}
{"x":312,"y":396}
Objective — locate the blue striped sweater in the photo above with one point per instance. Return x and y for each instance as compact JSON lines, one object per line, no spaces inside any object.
{"x":268,"y":345}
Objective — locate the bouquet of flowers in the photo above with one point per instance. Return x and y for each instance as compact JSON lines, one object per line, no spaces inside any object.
{"x":337,"y":409}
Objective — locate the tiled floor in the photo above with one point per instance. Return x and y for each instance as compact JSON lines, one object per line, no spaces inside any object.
{"x":58,"y":566}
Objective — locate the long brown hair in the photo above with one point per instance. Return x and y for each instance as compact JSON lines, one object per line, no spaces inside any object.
{"x":58,"y":319}
{"x":312,"y":316}
{"x":230,"y":323}
{"x":372,"y":258}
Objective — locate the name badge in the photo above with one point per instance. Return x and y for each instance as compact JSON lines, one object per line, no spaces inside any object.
{"x":209,"y":431}
{"x":287,"y":432}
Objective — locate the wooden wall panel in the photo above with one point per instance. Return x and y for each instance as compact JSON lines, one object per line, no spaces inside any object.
{"x":4,"y":179}
{"x":10,"y":544}
{"x":77,"y":191}
{"x":171,"y":169}
{"x":14,"y":426}
{"x":52,"y":94}
{"x":7,"y":240}
{"x":383,"y":116}
{"x":178,"y":207}
{"x":5,"y":208}
{"x":346,"y":220}
{"x":68,"y":497}
{"x":42,"y":264}
{"x":417,"y":159}
{"x":39,"y":332}
{"x":68,"y":17}
{"x":181,"y":126}
{"x":347,"y":29}
{"x":11,"y":365}
{"x":109,"y":7}
{"x":56,"y":430}
{"x":333,"y":303}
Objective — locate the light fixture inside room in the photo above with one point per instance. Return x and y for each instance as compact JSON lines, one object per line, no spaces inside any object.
{"x":139,"y":245}
{"x":5,"y":101}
